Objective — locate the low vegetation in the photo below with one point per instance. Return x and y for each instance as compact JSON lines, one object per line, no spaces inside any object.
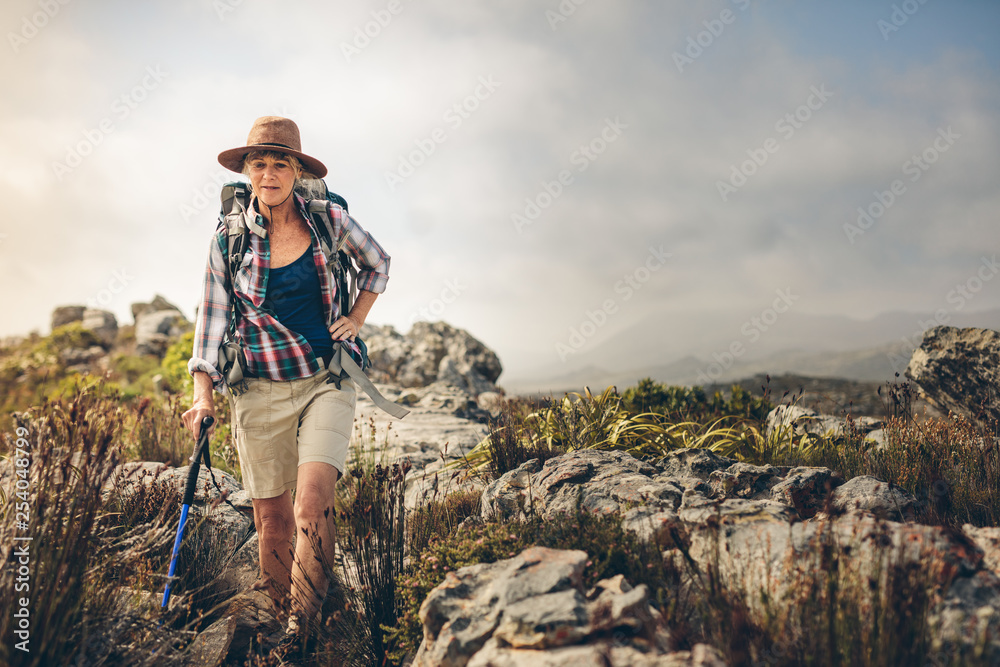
{"x":951,"y":464}
{"x":101,"y":548}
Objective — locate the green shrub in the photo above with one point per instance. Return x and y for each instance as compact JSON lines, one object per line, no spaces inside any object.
{"x":28,"y":373}
{"x":589,"y":421}
{"x":135,"y":371}
{"x":76,"y":384}
{"x":71,"y":335}
{"x":174,"y":365}
{"x":692,"y":404}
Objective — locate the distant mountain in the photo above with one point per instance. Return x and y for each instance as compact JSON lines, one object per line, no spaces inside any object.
{"x":679,"y":350}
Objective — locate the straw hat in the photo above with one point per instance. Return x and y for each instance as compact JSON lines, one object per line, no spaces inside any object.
{"x":272,"y":133}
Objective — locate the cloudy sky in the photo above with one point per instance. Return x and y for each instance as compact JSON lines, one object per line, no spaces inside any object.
{"x":544,"y":175}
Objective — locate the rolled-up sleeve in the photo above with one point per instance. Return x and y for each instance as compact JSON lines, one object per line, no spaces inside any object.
{"x":213,"y":314}
{"x":372,"y":259}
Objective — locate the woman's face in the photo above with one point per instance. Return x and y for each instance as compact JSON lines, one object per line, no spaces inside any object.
{"x":272,"y":179}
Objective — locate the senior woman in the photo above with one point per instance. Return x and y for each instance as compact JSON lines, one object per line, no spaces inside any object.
{"x":291,"y":425}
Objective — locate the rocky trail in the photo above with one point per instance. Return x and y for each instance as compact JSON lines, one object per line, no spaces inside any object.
{"x":756,"y":527}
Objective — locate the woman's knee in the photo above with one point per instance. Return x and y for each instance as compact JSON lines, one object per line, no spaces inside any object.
{"x":313,"y":504}
{"x":274,"y":518}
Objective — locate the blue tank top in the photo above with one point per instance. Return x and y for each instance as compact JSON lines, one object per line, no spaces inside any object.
{"x":294,"y":296}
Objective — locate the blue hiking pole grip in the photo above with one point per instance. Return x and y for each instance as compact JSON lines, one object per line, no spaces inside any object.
{"x":200,"y":450}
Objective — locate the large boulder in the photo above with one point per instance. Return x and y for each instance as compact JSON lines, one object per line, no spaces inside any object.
{"x":753,"y":548}
{"x":80,"y":358}
{"x":806,"y":489}
{"x":158,"y":303}
{"x":881,"y":499}
{"x":533,"y":610}
{"x":156,"y":330}
{"x":958,"y":370}
{"x":248,"y":616}
{"x":429,"y":353}
{"x":67,"y":314}
{"x":593,"y":480}
{"x":103,"y":323}
{"x":744,"y":480}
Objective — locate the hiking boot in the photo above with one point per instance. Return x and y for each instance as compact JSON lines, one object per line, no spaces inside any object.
{"x":291,"y":648}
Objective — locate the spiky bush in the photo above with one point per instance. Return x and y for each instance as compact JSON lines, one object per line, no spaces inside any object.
{"x":836,"y":608}
{"x":606,"y":421}
{"x":512,"y":439}
{"x":98,"y":549}
{"x":440,"y":517}
{"x":952,"y":465}
{"x":76,"y":615}
{"x":371,"y":530}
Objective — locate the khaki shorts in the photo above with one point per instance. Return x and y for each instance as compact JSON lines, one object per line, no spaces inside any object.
{"x":278,"y":426}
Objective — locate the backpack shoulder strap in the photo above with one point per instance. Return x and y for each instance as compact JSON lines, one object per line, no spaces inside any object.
{"x":235,"y":198}
{"x":336,"y":259}
{"x":327,"y":234}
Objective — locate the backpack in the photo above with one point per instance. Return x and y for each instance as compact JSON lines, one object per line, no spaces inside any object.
{"x":235,"y":198}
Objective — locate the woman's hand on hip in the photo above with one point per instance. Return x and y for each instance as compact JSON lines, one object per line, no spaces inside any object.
{"x":192,"y":418}
{"x":345,"y":328}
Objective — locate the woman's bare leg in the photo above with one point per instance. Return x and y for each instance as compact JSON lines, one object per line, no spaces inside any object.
{"x":314,"y":509}
{"x":275,"y":521}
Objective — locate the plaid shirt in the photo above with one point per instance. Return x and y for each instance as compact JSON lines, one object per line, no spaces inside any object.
{"x":272,"y":350}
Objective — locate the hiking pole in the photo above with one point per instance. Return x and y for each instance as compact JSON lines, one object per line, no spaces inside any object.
{"x":200,"y":451}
